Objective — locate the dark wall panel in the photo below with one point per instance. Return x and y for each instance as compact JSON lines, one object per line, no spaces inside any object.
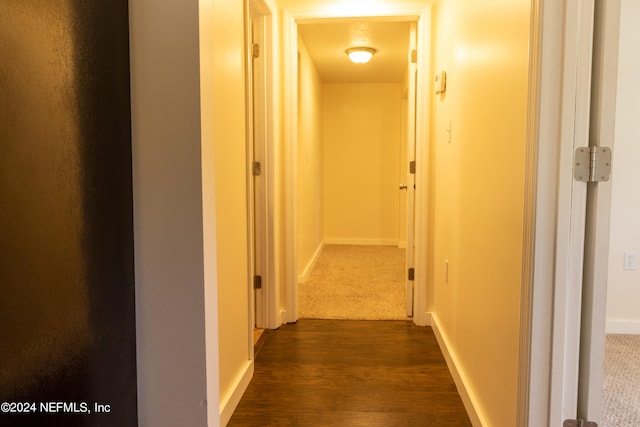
{"x":67,"y":321}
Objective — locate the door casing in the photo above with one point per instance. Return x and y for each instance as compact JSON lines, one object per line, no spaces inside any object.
{"x":553,"y":309}
{"x":596,"y":256}
{"x":410,"y":177}
{"x":261,"y":147}
{"x":291,"y":16}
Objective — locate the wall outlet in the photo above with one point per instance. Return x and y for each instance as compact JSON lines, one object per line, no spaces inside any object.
{"x":630,"y":260}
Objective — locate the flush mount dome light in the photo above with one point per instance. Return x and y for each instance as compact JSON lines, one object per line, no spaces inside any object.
{"x":360,"y":55}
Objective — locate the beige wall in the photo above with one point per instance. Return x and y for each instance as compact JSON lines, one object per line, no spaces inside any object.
{"x":478,"y":192}
{"x":362,"y":134}
{"x":310,"y":216}
{"x":224,"y":148}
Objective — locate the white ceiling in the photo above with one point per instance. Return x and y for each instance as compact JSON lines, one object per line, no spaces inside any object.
{"x":327,"y":43}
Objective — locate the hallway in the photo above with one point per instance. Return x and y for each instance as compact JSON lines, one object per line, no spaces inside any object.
{"x":350,"y":373}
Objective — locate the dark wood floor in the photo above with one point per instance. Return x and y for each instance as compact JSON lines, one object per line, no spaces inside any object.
{"x":350,"y":373}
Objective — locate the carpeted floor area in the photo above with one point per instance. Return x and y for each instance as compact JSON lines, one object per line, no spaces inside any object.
{"x":621,"y":403}
{"x":357,"y":283}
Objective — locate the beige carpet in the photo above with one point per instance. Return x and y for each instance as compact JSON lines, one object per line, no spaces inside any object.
{"x":355,"y":282}
{"x":621,"y":403}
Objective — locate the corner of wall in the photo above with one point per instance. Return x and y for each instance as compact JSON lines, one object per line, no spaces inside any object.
{"x":306,"y":272}
{"x":170,"y":313}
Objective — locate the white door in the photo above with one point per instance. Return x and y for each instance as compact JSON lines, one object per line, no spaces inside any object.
{"x":410,"y":168}
{"x":602,"y":127}
{"x":582,"y":214}
{"x":572,"y":200}
{"x":560,"y":90}
{"x":257,"y":159}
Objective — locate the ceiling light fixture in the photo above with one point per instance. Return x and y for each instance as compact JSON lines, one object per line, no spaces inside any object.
{"x":360,"y":55}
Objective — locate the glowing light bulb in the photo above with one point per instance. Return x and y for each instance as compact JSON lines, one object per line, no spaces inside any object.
{"x":360,"y":55}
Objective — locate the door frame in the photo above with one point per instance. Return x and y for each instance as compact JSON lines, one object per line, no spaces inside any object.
{"x":263,"y":310}
{"x":554,"y":208}
{"x":410,"y":178}
{"x":291,"y":16}
{"x":256,"y":152}
{"x":602,"y":130}
{"x":572,"y":199}
{"x":556,"y":212}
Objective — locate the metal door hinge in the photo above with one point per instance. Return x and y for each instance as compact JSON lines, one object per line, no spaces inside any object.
{"x":592,"y":164}
{"x":257,"y":282}
{"x":411,"y":273}
{"x":255,"y":50}
{"x":579,"y":423}
{"x":414,"y":56}
{"x":412,"y":166}
{"x":256,"y":169}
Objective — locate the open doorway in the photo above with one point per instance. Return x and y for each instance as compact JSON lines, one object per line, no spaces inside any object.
{"x":351,"y":232}
{"x":294,"y":164}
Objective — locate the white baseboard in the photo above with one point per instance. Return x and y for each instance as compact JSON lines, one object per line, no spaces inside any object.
{"x":229,"y":403}
{"x":467,"y":396}
{"x":284,"y":317}
{"x":428,"y":318}
{"x":309,"y":267}
{"x":422,"y":320}
{"x":344,"y":241}
{"x":278,"y":319}
{"x":623,"y":327}
{"x":402,"y":244}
